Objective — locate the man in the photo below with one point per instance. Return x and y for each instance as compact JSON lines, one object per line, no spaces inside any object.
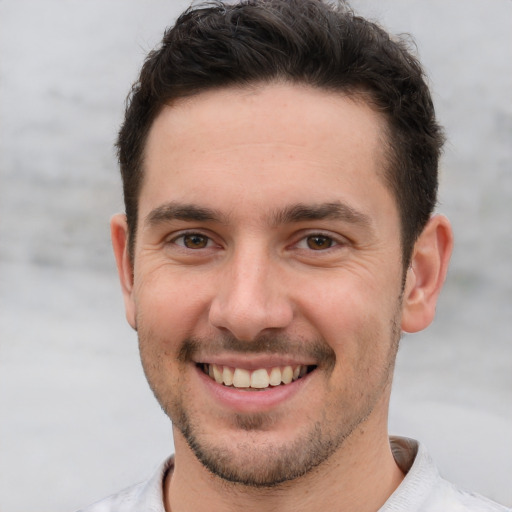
{"x":279,"y":163}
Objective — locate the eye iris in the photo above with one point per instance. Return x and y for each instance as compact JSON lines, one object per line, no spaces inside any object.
{"x":318,"y":242}
{"x":195,"y":241}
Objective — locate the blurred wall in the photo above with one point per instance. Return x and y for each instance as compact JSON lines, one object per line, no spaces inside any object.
{"x":77,"y":420}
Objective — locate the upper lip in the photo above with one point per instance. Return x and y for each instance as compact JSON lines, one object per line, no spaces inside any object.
{"x":253,"y":362}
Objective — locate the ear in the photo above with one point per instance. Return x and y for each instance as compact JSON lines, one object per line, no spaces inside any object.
{"x":426,"y":274}
{"x":120,"y":244}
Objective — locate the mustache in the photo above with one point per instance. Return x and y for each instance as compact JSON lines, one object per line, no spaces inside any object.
{"x":316,"y":349}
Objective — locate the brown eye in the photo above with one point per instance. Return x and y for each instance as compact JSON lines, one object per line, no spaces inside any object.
{"x":319,"y":242}
{"x":195,"y":241}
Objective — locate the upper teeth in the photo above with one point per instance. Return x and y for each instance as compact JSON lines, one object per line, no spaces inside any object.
{"x":258,"y":379}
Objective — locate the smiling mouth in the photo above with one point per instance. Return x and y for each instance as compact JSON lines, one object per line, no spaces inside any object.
{"x":263,"y":378}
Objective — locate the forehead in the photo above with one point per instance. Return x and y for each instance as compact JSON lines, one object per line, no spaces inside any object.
{"x":274,"y":141}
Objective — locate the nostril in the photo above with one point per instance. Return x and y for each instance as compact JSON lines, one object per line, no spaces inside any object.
{"x":247,"y":305}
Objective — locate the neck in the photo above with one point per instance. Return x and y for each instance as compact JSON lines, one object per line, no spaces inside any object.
{"x":359,"y":477}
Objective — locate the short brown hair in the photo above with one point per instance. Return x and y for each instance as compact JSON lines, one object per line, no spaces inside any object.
{"x":311,"y":42}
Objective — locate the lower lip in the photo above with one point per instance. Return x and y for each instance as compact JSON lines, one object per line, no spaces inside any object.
{"x":242,"y":401}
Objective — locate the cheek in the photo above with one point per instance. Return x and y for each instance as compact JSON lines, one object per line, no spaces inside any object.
{"x":353,"y":315}
{"x":168,"y":306}
{"x":347,"y":298}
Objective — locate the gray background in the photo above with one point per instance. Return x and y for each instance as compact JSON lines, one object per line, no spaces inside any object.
{"x":77,"y":420}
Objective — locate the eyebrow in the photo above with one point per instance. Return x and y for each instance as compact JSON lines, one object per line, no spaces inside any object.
{"x":295,"y":213}
{"x":334,"y":211}
{"x":179,"y":211}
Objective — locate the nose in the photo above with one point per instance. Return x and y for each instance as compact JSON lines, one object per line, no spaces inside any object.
{"x":251,"y":297}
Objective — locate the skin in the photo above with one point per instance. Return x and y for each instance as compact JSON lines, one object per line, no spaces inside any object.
{"x":267,"y":237}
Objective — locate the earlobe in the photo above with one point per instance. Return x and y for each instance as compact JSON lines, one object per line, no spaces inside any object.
{"x":426,"y":274}
{"x":120,"y":244}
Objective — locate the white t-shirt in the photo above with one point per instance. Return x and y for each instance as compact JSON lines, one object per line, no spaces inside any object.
{"x":422,"y":490}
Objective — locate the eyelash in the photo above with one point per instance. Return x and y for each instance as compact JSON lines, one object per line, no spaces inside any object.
{"x":191,"y":234}
{"x":332,"y":241}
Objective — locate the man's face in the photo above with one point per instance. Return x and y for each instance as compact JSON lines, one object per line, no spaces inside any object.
{"x":268,"y":250}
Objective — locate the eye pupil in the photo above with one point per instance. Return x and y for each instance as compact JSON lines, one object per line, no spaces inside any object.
{"x":317,"y":242}
{"x":195,"y":241}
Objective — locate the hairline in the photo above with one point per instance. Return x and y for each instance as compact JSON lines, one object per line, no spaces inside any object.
{"x":358,"y":94}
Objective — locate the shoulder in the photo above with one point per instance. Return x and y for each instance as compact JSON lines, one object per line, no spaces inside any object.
{"x":424,"y":490}
{"x":124,"y":501}
{"x":447,"y":496}
{"x":147,"y":495}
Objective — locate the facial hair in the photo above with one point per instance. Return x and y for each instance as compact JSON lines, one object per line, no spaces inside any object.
{"x":256,"y":460}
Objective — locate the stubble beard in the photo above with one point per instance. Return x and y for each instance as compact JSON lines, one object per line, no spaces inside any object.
{"x":257,"y":462}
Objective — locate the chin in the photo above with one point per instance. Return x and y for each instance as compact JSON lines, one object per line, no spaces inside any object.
{"x":256,"y":454}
